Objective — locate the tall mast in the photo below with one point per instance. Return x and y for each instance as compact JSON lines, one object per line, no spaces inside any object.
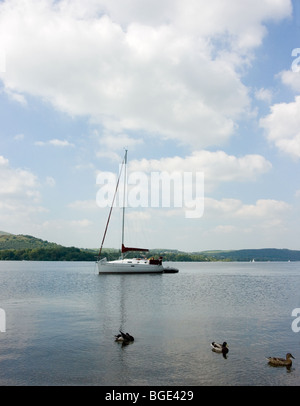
{"x":124,"y":199}
{"x":111,"y":207}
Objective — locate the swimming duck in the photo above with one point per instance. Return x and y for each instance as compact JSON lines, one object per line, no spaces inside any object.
{"x":118,"y":337}
{"x":124,"y":337}
{"x":128,"y":337}
{"x":221,"y":348}
{"x":276,"y":361}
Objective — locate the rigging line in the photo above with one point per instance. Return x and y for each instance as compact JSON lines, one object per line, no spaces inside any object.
{"x":111,"y":207}
{"x":124,"y":197}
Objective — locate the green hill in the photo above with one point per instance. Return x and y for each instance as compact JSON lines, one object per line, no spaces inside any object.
{"x":245,"y":255}
{"x":4,"y":233}
{"x":27,"y":247}
{"x":17,"y":242}
{"x":263,"y":254}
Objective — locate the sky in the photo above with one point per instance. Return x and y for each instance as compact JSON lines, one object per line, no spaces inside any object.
{"x":203,"y":92}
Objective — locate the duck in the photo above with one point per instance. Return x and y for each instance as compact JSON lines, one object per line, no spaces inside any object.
{"x":124,"y":337}
{"x":276,"y":361}
{"x":221,"y":348}
{"x":118,"y":337}
{"x":128,"y":337}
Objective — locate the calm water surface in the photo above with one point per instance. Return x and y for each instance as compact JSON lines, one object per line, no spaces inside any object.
{"x":61,"y":318}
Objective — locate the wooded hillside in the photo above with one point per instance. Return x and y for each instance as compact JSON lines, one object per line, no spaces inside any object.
{"x":25,"y":247}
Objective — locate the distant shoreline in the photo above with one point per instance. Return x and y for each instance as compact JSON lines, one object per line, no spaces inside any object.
{"x":77,"y":254}
{"x":28,"y":248}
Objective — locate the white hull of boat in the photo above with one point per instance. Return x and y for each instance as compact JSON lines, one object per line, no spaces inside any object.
{"x":128,"y":266}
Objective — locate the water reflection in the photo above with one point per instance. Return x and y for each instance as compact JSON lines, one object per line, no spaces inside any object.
{"x":128,"y":303}
{"x":123,"y":310}
{"x":61,"y":322}
{"x":288,"y":368}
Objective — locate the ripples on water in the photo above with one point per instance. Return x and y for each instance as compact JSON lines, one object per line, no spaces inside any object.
{"x":61,"y":319}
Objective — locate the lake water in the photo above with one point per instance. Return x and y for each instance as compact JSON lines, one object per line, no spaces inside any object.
{"x":61,"y":318}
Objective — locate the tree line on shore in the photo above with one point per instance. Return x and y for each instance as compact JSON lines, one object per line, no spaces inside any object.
{"x":47,"y":254}
{"x":77,"y":254}
{"x":60,"y":253}
{"x":28,"y":248}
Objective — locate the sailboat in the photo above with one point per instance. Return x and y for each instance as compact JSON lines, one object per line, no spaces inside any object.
{"x":137,"y":265}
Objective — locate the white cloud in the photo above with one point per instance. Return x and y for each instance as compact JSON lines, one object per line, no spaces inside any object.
{"x":225,"y":229}
{"x":16,"y":96}
{"x":2,"y":60}
{"x":282,"y":127}
{"x":19,"y":197}
{"x":78,"y":224}
{"x":260,"y":222}
{"x":54,"y":143}
{"x":19,"y":137}
{"x":60,"y":143}
{"x":265,"y":95}
{"x":217,"y":166}
{"x":222,"y":207}
{"x":291,"y":79}
{"x":166,"y":67}
{"x":3,"y":161}
{"x":110,"y":143}
{"x":50,"y":181}
{"x":233,"y":215}
{"x":83,"y":205}
{"x":17,"y":182}
{"x":76,"y":232}
{"x":265,"y":209}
